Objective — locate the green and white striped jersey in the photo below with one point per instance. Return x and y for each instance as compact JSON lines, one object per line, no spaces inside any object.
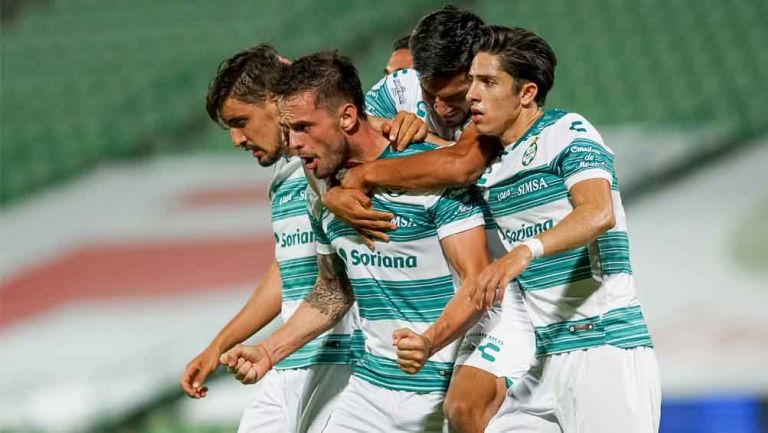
{"x":580,"y":298}
{"x":401,"y":91}
{"x":406,"y":282}
{"x":295,"y":252}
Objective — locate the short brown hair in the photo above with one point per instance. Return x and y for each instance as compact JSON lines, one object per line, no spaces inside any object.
{"x":331,"y":77}
{"x":247,"y":76}
{"x":522,"y":54}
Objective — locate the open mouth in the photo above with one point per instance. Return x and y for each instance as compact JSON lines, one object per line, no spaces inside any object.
{"x":309,"y":162}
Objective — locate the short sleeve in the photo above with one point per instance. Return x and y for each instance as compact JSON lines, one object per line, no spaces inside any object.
{"x":398,"y":91}
{"x":457,"y":210}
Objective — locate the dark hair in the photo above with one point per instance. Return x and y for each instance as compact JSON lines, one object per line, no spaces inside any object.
{"x":402,"y":43}
{"x":443,"y":42}
{"x":331,"y":77}
{"x":522,"y":54}
{"x":247,"y":76}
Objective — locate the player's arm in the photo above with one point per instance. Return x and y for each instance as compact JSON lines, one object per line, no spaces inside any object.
{"x":592,"y":216}
{"x":467,"y":253}
{"x":330,"y":298}
{"x":262,"y":307}
{"x":457,"y":165}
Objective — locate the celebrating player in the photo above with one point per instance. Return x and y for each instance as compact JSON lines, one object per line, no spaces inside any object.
{"x":241,"y":98}
{"x":554,"y":194}
{"x":500,"y":348}
{"x":406,"y":283}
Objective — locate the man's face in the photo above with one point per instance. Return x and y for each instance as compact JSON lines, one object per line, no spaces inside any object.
{"x":494,"y":96}
{"x":314,"y":134}
{"x":399,"y":59}
{"x":253,"y":127}
{"x":448,"y":97}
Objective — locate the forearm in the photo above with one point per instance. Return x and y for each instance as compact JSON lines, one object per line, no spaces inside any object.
{"x":262,"y":307}
{"x":456,"y":165}
{"x":459,"y":315}
{"x":468,"y":256}
{"x":330,"y":299}
{"x":582,"y":226}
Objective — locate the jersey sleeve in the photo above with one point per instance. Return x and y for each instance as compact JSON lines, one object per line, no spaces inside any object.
{"x":585,"y":156}
{"x":457,"y":210}
{"x":398,"y":91}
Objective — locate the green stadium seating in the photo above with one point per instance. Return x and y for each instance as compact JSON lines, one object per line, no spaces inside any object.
{"x":86,"y":81}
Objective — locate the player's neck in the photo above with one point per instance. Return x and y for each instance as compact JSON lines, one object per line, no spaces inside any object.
{"x":365,"y":144}
{"x":527,"y":117}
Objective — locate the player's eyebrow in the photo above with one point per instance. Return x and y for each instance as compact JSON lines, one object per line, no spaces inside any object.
{"x":233,"y":120}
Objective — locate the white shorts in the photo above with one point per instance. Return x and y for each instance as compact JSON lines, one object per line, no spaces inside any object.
{"x":364,"y":407}
{"x":294,"y":400}
{"x":502,"y":342}
{"x":601,"y":390}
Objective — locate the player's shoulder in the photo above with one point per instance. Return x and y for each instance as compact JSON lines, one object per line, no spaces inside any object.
{"x":568,"y":128}
{"x":315,"y":207}
{"x":403,"y":84}
{"x":286,"y":169}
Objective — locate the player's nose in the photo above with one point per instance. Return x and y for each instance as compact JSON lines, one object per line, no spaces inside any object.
{"x":238,"y":138}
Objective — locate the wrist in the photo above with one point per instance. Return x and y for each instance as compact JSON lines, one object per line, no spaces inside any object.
{"x":267,"y":355}
{"x":360,"y":178}
{"x":534,"y":248}
{"x":429,"y":339}
{"x":218,"y":346}
{"x":271,"y":349}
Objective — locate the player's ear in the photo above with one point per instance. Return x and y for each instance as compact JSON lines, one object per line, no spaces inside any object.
{"x":348,"y":117}
{"x":528,"y":92}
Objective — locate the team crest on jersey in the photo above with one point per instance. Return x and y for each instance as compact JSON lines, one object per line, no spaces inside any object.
{"x":530,"y":153}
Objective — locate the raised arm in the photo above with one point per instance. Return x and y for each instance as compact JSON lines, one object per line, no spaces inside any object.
{"x":457,"y":165}
{"x":468,"y":255}
{"x":328,"y":301}
{"x":262,"y":307}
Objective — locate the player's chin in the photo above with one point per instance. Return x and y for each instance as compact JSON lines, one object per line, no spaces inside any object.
{"x":268,"y":159}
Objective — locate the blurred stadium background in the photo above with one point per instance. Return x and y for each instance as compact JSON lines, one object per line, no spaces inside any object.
{"x":130,"y":231}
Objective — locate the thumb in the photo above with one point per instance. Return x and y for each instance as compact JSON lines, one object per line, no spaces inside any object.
{"x":401,"y":334}
{"x":229,"y":358}
{"x":200,"y":378}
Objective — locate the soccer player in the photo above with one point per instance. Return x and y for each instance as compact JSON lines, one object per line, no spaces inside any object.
{"x":406,"y":283}
{"x":499,"y":349}
{"x":401,"y":56}
{"x":300,"y":390}
{"x":554,"y":194}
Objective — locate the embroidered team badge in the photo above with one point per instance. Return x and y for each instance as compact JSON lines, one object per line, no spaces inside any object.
{"x":530,"y":153}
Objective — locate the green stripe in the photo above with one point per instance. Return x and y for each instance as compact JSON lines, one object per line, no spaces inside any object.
{"x":288,"y":200}
{"x":622,"y":327}
{"x":419,"y":301}
{"x":297,"y":277}
{"x":412,"y":149}
{"x":613,"y":250}
{"x":414,"y":223}
{"x":327,"y":349}
{"x":584,"y":154}
{"x":358,"y":344}
{"x":517,"y":194}
{"x":568,"y":267}
{"x":383,"y":372}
